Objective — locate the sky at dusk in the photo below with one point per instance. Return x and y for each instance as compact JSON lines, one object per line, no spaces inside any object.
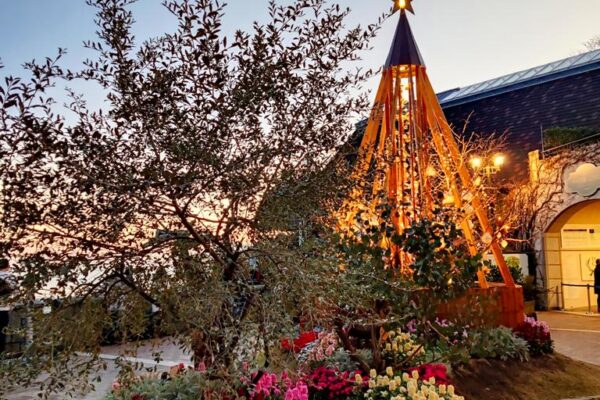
{"x":462,"y":41}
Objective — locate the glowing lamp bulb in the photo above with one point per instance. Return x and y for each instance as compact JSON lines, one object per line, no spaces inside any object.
{"x":476,"y":162}
{"x":499,"y":160}
{"x":403,"y":5}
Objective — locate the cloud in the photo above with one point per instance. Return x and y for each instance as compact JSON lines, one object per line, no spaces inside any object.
{"x":585,"y":180}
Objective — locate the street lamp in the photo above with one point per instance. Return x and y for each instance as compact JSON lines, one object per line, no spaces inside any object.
{"x":490,"y":166}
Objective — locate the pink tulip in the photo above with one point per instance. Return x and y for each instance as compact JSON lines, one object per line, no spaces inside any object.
{"x":201,"y":366}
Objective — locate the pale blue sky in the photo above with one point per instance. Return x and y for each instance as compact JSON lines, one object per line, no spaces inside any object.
{"x":462,"y":41}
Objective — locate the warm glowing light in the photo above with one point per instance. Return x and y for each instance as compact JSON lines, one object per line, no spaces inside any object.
{"x":499,"y":160}
{"x":402,"y":5}
{"x":448,"y":199}
{"x":476,"y":162}
{"x":431,"y":172}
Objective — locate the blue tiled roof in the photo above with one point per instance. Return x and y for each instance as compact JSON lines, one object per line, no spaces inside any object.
{"x":518,"y":80}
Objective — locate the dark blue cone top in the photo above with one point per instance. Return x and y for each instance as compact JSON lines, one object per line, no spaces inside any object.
{"x":404,"y":49}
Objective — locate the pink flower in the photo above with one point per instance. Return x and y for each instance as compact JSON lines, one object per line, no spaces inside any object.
{"x":300,"y":392}
{"x":116,"y":385}
{"x":411,"y":326}
{"x":201,"y":366}
{"x":303,"y":389}
{"x":329,"y":350}
{"x":285,"y":379}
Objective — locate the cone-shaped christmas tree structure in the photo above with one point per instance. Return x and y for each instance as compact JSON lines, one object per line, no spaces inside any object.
{"x":408,"y":148}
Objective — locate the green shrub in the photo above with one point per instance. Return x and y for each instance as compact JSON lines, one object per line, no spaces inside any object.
{"x":558,"y":136}
{"x":186,"y":386}
{"x":494,"y":274}
{"x":498,"y":343}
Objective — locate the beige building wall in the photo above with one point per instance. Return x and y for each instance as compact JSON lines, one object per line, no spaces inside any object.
{"x":571,"y":246}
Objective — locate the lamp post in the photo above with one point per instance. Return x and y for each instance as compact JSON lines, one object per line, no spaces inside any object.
{"x":490,"y":166}
{"x":487,"y":168}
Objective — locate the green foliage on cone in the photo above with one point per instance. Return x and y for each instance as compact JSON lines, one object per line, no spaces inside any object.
{"x":442,"y":261}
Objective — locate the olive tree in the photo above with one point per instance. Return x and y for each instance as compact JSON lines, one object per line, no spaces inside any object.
{"x":158,"y":199}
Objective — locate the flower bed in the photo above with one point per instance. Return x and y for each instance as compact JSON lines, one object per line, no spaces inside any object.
{"x":416,"y":363}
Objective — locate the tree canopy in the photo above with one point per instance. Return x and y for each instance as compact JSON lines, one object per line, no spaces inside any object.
{"x":156,"y":199}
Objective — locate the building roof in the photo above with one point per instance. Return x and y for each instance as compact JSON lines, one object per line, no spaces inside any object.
{"x":534,"y":76}
{"x":524,"y":114}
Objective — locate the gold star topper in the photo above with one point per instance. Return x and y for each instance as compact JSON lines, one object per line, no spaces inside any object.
{"x":403,"y":5}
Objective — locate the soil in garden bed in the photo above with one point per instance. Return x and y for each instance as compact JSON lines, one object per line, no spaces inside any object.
{"x":547,"y":378}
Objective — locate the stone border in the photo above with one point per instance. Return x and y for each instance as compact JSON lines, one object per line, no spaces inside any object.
{"x":586,"y":398}
{"x":577,"y":313}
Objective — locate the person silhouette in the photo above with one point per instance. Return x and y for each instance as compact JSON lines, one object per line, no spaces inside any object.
{"x":597,"y":283}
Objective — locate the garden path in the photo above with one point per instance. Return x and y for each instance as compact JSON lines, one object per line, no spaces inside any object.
{"x":576,"y":336}
{"x":171,"y":355}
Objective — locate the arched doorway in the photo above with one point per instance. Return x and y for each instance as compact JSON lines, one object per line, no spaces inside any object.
{"x":571,"y":247}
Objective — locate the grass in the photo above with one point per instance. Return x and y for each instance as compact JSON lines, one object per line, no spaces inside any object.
{"x":547,"y":378}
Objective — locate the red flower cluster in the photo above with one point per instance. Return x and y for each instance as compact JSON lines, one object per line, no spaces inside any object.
{"x":300,"y":342}
{"x":537,"y":335}
{"x":532,"y":330}
{"x":437,"y":371}
{"x":331,"y":384}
